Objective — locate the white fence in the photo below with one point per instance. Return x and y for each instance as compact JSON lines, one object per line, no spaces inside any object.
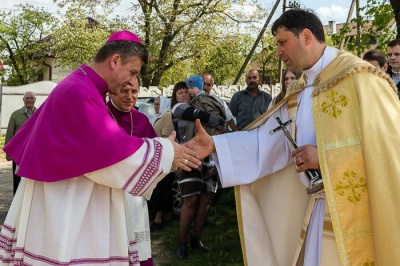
{"x":11,"y":97}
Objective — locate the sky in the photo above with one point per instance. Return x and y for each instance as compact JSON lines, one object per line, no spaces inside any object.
{"x":327,"y":10}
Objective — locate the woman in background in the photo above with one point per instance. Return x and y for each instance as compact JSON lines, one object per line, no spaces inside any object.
{"x":288,"y":78}
{"x":161,"y":200}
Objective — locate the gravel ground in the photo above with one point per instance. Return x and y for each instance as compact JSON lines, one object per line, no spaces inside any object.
{"x":6,"y":193}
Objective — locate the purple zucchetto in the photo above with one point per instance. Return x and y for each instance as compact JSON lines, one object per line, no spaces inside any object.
{"x":124,"y":35}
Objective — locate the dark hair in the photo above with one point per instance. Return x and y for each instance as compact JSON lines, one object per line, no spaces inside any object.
{"x":178,"y":86}
{"x":126,"y":49}
{"x":394,"y":43}
{"x":282,"y":94}
{"x":251,"y":71}
{"x":376,"y":55}
{"x":296,"y":20}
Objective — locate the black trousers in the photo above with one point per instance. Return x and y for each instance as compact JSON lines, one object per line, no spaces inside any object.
{"x":16,"y":178}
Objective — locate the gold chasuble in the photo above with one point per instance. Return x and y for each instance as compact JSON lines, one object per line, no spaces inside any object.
{"x":357,"y":122}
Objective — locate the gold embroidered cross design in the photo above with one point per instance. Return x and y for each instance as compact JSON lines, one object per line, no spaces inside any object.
{"x":369,"y":263}
{"x":352,"y":185}
{"x":333,"y":107}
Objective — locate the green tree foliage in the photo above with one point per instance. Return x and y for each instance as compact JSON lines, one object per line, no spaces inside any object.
{"x":24,"y":42}
{"x":176,"y":31}
{"x":79,"y":36}
{"x":266,"y":57}
{"x":376,"y":24}
{"x":180,"y":33}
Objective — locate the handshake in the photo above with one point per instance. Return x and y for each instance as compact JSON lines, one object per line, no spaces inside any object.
{"x":189,"y":154}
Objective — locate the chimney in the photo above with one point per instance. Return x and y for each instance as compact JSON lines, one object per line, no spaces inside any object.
{"x":331,"y":27}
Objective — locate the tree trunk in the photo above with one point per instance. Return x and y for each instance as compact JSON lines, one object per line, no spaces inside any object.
{"x":396,"y":9}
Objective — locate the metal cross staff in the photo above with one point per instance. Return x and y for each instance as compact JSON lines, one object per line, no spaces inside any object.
{"x":313,"y":175}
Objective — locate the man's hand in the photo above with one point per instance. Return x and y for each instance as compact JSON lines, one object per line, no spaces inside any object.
{"x":202,"y":143}
{"x":306,"y":157}
{"x":184,"y":158}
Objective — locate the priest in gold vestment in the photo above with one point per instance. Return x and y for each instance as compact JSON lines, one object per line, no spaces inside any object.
{"x":347,"y":127}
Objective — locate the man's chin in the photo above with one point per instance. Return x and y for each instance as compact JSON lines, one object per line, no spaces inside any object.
{"x":128,"y":107}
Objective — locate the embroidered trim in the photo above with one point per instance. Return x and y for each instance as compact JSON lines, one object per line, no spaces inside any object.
{"x":343,"y":143}
{"x":359,"y":67}
{"x":22,"y":253}
{"x":6,"y":244}
{"x":8,"y":228}
{"x":150,"y":171}
{"x":146,"y":156}
{"x":357,"y":232}
{"x":140,"y":237}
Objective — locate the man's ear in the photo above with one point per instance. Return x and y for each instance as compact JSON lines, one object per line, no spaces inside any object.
{"x":114,"y":61}
{"x":307,"y":36}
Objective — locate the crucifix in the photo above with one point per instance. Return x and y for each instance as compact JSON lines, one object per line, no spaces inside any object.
{"x":313,"y":175}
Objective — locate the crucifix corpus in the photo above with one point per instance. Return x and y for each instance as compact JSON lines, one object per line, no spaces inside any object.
{"x":313,"y":175}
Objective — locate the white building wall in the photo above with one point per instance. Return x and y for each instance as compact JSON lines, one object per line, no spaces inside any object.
{"x":11,"y":98}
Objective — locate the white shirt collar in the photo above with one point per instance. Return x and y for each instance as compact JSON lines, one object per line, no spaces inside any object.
{"x":329,"y":54}
{"x":395,"y":73}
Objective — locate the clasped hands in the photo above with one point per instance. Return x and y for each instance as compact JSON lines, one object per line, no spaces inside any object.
{"x":189,"y":154}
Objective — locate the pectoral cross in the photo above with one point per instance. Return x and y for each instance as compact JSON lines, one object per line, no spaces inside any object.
{"x":313,"y":175}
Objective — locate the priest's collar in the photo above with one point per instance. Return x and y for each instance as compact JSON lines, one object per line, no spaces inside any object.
{"x":329,"y":54}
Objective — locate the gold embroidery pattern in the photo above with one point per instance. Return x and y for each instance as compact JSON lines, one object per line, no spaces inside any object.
{"x":343,"y":143}
{"x":359,"y":67}
{"x":333,"y":107}
{"x":358,"y":232}
{"x":369,"y":263}
{"x":352,"y":185}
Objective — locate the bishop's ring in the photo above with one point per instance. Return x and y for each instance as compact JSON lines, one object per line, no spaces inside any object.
{"x":185,"y":162}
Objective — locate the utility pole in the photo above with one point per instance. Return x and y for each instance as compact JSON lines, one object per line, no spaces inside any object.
{"x":347,"y":22}
{"x":292,"y":4}
{"x":358,"y":37}
{"x":255,"y":43}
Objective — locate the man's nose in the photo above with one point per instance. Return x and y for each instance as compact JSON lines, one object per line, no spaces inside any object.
{"x":279,"y":52}
{"x":132,"y":80}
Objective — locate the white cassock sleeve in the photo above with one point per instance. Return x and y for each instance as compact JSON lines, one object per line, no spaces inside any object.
{"x":138,"y":174}
{"x":245,"y":156}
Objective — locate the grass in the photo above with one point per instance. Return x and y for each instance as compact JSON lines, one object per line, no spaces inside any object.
{"x":221,"y":237}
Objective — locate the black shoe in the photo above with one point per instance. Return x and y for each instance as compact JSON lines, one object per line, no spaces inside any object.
{"x":182,"y":251}
{"x":196,"y":243}
{"x":155,"y":226}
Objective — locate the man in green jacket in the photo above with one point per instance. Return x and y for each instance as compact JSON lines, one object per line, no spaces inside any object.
{"x":17,"y":119}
